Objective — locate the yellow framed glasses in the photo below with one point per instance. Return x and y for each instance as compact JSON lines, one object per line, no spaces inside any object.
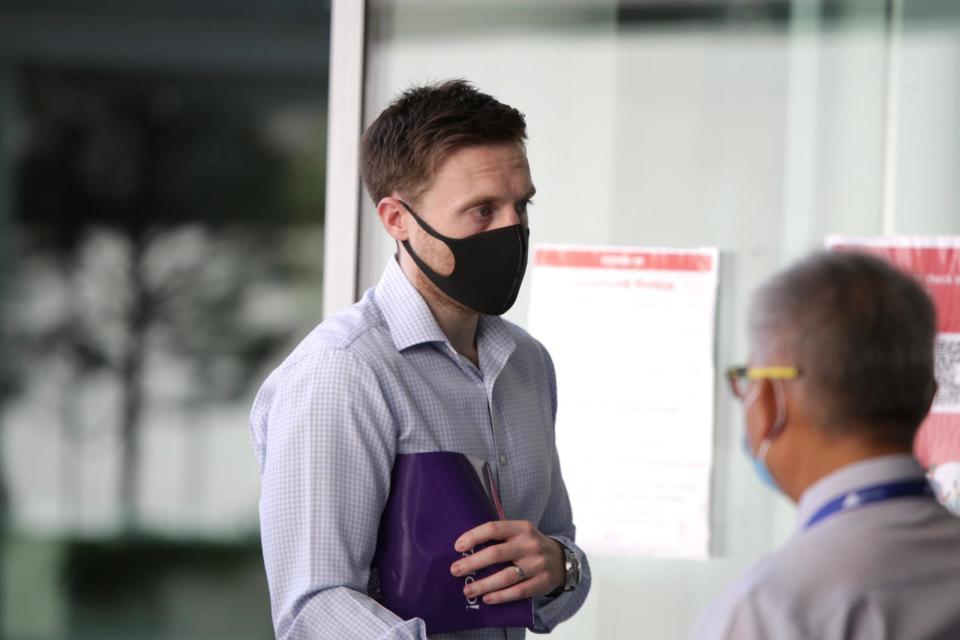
{"x":741,"y":377}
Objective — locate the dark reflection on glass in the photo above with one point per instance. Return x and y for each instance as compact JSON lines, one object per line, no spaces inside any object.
{"x":162,"y":251}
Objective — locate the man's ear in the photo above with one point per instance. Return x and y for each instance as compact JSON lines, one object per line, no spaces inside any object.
{"x":391,"y":216}
{"x":761,"y":412}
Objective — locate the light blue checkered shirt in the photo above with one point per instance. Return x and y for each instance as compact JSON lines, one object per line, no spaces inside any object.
{"x":374,"y":381}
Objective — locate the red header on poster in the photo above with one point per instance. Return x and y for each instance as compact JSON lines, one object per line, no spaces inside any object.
{"x":612,"y":259}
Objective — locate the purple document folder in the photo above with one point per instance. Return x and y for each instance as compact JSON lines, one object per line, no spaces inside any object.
{"x":434,"y":499}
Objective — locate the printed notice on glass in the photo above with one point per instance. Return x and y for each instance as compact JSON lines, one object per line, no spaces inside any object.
{"x":631,"y":332}
{"x":935,"y":262}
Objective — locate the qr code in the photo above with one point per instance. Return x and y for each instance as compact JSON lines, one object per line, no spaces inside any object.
{"x":947,"y":371}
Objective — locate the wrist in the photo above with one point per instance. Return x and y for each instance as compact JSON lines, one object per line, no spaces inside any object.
{"x":571,"y":570}
{"x":560,"y":560}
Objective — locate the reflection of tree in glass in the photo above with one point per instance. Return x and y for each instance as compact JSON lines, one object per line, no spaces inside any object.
{"x":159,"y":212}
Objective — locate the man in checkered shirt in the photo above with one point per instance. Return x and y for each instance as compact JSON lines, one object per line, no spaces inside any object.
{"x":422,"y":363}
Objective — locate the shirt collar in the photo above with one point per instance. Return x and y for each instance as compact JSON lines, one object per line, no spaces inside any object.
{"x":856,"y":476}
{"x":495,"y":343}
{"x":407,"y":314}
{"x":410,"y":322}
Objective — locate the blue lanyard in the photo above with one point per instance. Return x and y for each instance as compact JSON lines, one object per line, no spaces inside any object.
{"x":869,"y":495}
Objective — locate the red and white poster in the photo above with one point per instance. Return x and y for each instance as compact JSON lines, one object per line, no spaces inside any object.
{"x":631,"y":332}
{"x":935,"y":261}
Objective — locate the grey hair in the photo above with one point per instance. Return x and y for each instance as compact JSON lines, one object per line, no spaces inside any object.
{"x":862,"y":332}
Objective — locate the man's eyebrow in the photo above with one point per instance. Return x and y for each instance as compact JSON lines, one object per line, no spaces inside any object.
{"x":482,"y":199}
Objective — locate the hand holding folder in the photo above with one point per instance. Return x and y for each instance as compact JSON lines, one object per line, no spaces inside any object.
{"x":434,"y":498}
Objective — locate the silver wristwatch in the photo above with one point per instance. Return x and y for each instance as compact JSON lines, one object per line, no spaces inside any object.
{"x":571,"y":572}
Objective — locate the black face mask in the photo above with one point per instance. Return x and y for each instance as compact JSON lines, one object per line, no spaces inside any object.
{"x":488,"y":267}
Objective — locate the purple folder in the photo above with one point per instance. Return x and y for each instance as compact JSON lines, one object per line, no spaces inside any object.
{"x":434,"y":499}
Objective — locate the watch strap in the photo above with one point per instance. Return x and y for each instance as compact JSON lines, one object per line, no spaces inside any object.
{"x":571,"y":571}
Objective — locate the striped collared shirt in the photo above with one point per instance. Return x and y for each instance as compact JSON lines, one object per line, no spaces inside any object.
{"x":374,"y":381}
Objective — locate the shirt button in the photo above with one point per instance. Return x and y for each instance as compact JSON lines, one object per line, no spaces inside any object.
{"x":503,"y":459}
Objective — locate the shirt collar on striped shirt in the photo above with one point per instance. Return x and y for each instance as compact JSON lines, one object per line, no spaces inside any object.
{"x":410,"y":322}
{"x":408,"y":316}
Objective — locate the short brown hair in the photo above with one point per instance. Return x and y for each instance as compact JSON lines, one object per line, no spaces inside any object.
{"x":862,"y":333}
{"x":402,"y":148}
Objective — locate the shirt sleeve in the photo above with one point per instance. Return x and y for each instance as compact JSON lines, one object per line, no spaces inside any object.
{"x":325,"y":443}
{"x":557,"y":522}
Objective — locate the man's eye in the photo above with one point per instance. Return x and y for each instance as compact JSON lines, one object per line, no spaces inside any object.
{"x":484,"y":211}
{"x":523,"y":205}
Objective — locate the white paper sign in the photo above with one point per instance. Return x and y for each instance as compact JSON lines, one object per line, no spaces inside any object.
{"x":631,"y":332}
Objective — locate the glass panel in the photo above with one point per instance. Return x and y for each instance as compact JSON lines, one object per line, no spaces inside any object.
{"x":162,"y":237}
{"x":755,"y":127}
{"x":925,"y":114}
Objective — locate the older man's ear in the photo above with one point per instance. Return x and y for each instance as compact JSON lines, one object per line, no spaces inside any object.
{"x":760,"y":413}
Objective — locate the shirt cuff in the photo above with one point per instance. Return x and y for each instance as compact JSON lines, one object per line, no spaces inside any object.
{"x":549,"y":612}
